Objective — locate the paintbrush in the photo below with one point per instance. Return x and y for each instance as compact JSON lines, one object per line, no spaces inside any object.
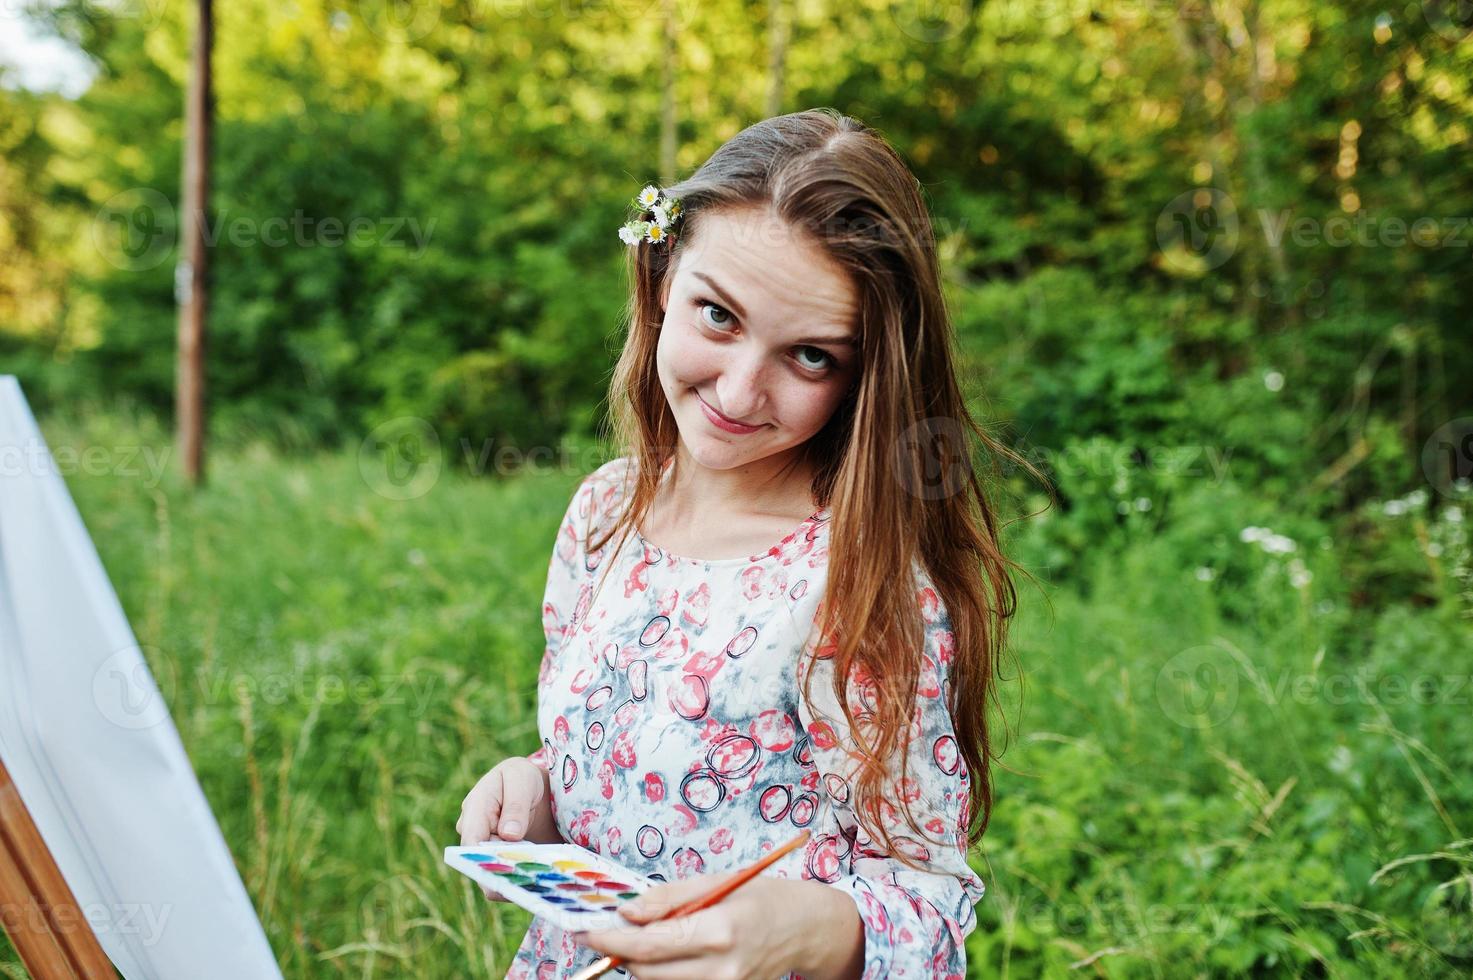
{"x":705,"y":901}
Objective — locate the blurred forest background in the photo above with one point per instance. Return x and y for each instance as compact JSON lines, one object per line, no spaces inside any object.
{"x":1209,"y":265}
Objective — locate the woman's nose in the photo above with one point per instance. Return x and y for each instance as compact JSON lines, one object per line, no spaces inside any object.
{"x":740,"y":389}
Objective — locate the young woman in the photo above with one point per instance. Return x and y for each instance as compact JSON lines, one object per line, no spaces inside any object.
{"x":783,"y":607}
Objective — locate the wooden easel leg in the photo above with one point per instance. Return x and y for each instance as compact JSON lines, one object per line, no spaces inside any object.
{"x":37,"y":909}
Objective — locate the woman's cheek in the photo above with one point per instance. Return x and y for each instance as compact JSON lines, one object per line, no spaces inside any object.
{"x":671,"y":354}
{"x":694,"y":359}
{"x":805,"y":406}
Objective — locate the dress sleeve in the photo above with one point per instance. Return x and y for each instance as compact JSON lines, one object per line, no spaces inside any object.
{"x":915,"y":922}
{"x":560,"y":597}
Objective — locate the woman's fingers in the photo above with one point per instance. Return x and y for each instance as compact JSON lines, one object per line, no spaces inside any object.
{"x":523,"y":787}
{"x":480,"y":810}
{"x":662,"y":899}
{"x":705,"y":932}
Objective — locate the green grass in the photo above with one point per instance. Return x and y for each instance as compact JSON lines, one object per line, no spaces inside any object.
{"x":342,"y":666}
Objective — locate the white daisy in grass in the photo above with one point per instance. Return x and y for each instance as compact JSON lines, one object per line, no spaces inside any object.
{"x":648,"y":196}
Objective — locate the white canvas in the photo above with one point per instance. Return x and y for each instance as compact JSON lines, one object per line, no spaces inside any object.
{"x":89,"y":743}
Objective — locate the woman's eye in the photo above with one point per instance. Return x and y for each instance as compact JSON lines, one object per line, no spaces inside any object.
{"x":823,"y":358}
{"x":720,"y":319}
{"x":723,"y":322}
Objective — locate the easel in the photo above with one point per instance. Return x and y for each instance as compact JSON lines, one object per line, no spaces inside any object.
{"x":37,"y":909}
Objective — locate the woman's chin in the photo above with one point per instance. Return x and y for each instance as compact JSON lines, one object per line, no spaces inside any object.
{"x":713,"y":454}
{"x":715,"y":450}
{"x":714,"y":457}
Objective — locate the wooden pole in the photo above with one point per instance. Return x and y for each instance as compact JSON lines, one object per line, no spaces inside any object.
{"x":667,"y":95}
{"x":37,"y":909}
{"x":777,"y":56}
{"x":191,"y":278}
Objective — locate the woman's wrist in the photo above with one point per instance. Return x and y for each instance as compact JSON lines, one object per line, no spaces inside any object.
{"x":832,"y":946}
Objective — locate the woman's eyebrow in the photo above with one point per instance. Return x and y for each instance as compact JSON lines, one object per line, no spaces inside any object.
{"x":725,"y":296}
{"x":844,"y":341}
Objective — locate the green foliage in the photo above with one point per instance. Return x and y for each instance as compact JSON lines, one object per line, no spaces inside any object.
{"x":367,"y":657}
{"x":1053,"y":153}
{"x":1262,"y":837}
{"x":1179,"y":243}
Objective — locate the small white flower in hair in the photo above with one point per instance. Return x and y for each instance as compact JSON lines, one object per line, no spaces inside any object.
{"x":666,"y":211}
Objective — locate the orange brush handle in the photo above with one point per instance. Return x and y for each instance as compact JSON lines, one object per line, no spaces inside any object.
{"x":705,"y":901}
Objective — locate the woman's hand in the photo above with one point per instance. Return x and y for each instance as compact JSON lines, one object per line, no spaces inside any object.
{"x":766,"y":928}
{"x":511,"y":802}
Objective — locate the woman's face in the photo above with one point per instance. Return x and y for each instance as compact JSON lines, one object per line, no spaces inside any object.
{"x":759,"y":329}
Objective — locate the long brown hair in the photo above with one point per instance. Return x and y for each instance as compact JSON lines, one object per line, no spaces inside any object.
{"x":894,"y":463}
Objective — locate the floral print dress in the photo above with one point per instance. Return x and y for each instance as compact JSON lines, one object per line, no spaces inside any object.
{"x":678,"y":743}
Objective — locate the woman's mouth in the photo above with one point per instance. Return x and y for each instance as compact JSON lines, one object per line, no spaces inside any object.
{"x":721,"y":421}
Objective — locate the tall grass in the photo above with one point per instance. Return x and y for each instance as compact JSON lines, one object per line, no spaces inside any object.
{"x":1189,"y":791}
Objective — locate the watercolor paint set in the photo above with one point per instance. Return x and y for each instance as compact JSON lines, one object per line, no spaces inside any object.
{"x":567,"y":885}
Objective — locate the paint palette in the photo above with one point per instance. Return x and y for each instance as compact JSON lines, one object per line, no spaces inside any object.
{"x":568,"y":885}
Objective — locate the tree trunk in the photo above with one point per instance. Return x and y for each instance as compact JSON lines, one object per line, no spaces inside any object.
{"x":191,"y":276}
{"x":667,"y":104}
{"x":777,"y":56}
